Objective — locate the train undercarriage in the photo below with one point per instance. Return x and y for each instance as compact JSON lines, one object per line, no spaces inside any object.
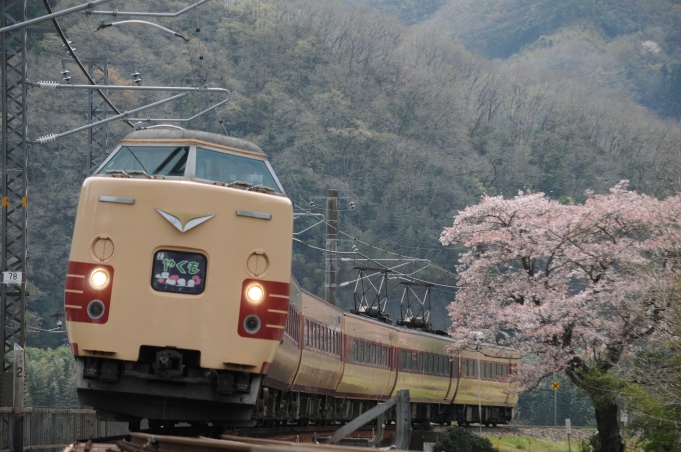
{"x":164,"y":385}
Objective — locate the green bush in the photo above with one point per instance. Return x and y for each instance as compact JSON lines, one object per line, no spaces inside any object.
{"x":590,"y":444}
{"x":457,"y":439}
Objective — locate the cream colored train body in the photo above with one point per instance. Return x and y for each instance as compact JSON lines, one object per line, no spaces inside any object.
{"x":180,"y":304}
{"x":334,"y":365}
{"x":171,"y":333}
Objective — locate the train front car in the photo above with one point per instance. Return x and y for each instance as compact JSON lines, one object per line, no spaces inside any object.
{"x":177,"y":287}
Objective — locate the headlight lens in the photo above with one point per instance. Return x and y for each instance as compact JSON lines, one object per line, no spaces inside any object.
{"x":255,"y":293}
{"x":252,"y":324}
{"x":99,"y":278}
{"x":95,"y":309}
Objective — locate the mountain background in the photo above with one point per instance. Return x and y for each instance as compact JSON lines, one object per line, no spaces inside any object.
{"x":411,"y":109}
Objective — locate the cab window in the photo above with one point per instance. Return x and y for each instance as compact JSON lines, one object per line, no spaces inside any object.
{"x":153,"y":160}
{"x":228,"y":168}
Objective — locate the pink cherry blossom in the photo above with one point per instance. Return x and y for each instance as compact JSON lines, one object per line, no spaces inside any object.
{"x":577,"y":286}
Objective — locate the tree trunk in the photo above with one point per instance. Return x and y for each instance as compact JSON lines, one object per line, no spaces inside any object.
{"x":606,"y":422}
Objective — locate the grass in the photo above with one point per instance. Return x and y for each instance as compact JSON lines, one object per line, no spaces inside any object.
{"x":526,"y":443}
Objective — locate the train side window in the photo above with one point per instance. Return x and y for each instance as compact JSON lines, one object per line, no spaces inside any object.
{"x":307,"y":333}
{"x":367,"y":353}
{"x":420,"y":368}
{"x":316,"y":336}
{"x":373,"y":354}
{"x":354,"y":350}
{"x":327,"y":343}
{"x":464,"y":364}
{"x":403,"y":361}
{"x":384,"y":356}
{"x":361,"y":352}
{"x":408,"y":360}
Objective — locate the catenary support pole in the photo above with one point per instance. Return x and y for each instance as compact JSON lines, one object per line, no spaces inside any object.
{"x":331,"y":247}
{"x":14,"y":201}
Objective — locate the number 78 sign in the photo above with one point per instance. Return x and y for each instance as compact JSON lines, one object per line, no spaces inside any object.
{"x":12,"y":277}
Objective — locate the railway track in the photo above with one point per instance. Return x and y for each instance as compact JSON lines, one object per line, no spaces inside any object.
{"x":145,"y":442}
{"x":290,"y":438}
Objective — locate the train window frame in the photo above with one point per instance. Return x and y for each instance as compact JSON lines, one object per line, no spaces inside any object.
{"x":278,"y":187}
{"x":354,"y":350}
{"x":403,"y":360}
{"x":98,"y":172}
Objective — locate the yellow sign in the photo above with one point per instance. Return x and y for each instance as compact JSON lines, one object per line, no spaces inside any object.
{"x":555,"y":386}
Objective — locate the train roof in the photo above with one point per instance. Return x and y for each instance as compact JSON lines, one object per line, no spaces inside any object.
{"x":194,"y":136}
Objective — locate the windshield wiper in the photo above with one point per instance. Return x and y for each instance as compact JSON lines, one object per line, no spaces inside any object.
{"x":138,"y":160}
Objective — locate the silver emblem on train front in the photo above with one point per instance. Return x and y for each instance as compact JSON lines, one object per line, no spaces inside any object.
{"x":184,"y":221}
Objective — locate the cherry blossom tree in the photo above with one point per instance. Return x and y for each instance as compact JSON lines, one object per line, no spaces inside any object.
{"x":576,"y":285}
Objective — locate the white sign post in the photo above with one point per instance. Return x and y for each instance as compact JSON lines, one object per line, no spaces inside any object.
{"x":568,"y":429}
{"x":17,"y":432}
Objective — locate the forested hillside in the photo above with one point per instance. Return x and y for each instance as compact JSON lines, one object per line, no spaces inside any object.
{"x":631,"y":46}
{"x":402,"y":119}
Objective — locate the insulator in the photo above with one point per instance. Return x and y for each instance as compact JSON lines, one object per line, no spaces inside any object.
{"x":47,"y":85}
{"x":47,"y":138}
{"x":64,"y":45}
{"x":65,"y":72}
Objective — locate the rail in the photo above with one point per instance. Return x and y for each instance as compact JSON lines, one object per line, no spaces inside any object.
{"x":55,"y":428}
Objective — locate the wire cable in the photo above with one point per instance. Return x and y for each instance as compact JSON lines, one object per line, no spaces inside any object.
{"x":398,"y":274}
{"x":402,"y":256}
{"x":79,"y":63}
{"x":33,"y":329}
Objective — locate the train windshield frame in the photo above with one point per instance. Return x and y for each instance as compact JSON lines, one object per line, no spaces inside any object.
{"x":153,"y":160}
{"x":217,"y":166}
{"x":199,"y":163}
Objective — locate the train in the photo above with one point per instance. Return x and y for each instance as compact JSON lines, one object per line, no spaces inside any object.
{"x":180,"y":305}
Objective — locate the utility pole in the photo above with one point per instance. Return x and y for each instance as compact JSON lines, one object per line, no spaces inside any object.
{"x":13,"y":224}
{"x":331,"y":246}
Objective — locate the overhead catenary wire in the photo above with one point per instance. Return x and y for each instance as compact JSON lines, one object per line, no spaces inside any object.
{"x":399,"y":274}
{"x":72,"y":52}
{"x":378,"y":248}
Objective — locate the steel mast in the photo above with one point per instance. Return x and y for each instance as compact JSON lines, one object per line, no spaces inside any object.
{"x":14,"y":201}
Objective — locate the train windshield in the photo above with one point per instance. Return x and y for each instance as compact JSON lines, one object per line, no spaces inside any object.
{"x":228,"y":168}
{"x":154,"y":160}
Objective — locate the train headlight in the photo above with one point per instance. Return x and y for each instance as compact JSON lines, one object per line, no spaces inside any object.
{"x":252,"y":324}
{"x":99,"y":278}
{"x":255,"y":293}
{"x":95,"y":309}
